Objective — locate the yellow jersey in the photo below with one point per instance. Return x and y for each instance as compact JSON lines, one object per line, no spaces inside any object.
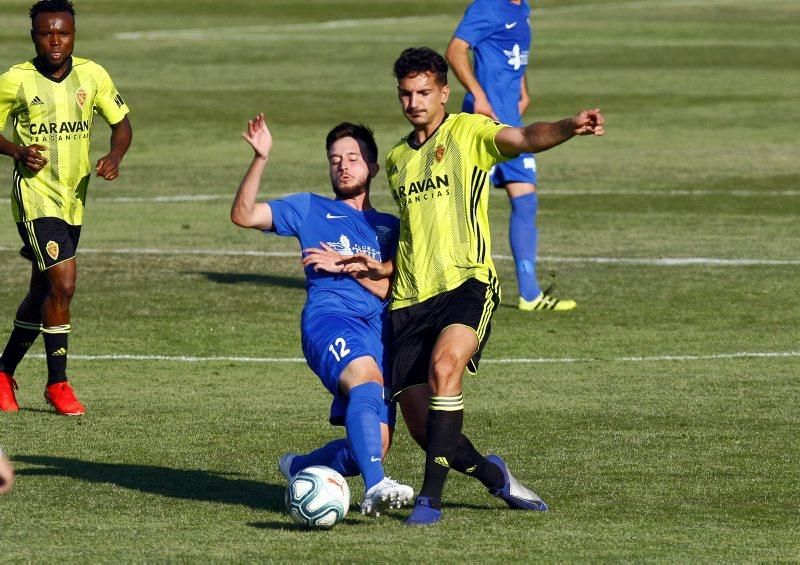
{"x":441,"y":190}
{"x":58,"y":115}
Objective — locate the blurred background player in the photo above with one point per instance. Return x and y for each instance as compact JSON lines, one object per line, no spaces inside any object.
{"x":499,"y":34}
{"x":445,"y":287}
{"x":342,"y":323}
{"x":51,"y":100}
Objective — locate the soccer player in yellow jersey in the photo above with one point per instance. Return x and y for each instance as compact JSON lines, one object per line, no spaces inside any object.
{"x":51,"y":100}
{"x":445,"y":287}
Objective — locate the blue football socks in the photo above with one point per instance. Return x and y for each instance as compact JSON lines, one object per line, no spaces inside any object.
{"x":337,"y":455}
{"x":523,"y":235}
{"x":363,"y":425}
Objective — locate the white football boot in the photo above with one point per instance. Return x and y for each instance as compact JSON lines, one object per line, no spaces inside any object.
{"x":386,"y":494}
{"x":285,"y":463}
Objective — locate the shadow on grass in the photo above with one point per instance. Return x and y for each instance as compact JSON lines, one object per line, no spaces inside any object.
{"x":40,"y":411}
{"x":288,"y":525}
{"x":252,"y":278}
{"x":189,"y":484}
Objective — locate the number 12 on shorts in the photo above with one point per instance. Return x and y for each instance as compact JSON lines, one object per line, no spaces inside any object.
{"x":342,"y":345}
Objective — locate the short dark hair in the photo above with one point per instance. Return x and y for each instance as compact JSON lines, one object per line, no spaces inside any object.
{"x":51,"y":6}
{"x":359,"y":132}
{"x":420,"y":60}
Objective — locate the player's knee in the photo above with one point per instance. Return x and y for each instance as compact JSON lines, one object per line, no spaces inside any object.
{"x":446,"y":369}
{"x":62,"y":290}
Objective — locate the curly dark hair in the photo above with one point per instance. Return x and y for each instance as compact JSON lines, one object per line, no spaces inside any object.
{"x":420,"y":60}
{"x":359,"y":132}
{"x":51,"y":6}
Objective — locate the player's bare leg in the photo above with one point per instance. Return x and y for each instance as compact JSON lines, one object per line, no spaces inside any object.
{"x":61,"y":280}
{"x":523,"y":237}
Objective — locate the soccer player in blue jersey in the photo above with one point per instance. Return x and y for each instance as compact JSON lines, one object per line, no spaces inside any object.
{"x":499,"y":34}
{"x":343,"y":319}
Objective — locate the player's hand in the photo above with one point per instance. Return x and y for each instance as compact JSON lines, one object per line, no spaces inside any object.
{"x":32,"y":157}
{"x":482,"y":106}
{"x":588,"y":122}
{"x":6,"y":474}
{"x":324,"y":258}
{"x":258,"y":136}
{"x":363,"y":265}
{"x":108,"y":167}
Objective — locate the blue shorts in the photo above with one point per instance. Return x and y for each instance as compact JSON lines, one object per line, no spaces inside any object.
{"x":331,"y":342}
{"x":520,"y":169}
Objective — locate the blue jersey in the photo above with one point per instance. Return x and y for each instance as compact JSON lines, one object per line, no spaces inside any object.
{"x":499,"y":35}
{"x":313,"y":219}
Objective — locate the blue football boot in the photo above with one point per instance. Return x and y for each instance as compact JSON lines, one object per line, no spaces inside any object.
{"x":513,"y":493}
{"x":423,"y":513}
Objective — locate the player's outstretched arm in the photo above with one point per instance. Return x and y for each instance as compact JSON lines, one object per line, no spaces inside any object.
{"x":245,"y":211}
{"x":29,"y":156}
{"x":457,"y":56}
{"x":542,"y":136}
{"x":121,"y":137}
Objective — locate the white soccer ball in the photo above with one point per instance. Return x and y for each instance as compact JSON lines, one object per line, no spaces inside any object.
{"x":317,"y":497}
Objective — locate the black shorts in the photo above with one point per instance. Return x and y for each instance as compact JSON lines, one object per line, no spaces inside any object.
{"x":48,"y":241}
{"x":416,"y":328}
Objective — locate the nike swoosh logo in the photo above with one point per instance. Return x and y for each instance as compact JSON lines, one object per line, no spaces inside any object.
{"x":375,"y":459}
{"x":332,"y":217}
{"x":511,"y":25}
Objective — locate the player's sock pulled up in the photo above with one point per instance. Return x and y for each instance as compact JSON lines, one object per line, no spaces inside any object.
{"x":55,"y":347}
{"x":467,"y":460}
{"x":363,"y":424}
{"x":336,"y":454}
{"x":523,"y":236}
{"x":22,"y":337}
{"x":445,"y":420}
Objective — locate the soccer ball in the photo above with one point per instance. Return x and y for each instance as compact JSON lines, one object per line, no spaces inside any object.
{"x":317,"y":497}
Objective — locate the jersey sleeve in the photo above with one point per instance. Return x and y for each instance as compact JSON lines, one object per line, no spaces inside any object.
{"x":289,"y":214}
{"x":477,"y":23}
{"x":8,"y":98}
{"x":481,"y":131}
{"x":108,"y":102}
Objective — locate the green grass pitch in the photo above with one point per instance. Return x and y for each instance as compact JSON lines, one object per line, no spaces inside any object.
{"x":659,"y":420}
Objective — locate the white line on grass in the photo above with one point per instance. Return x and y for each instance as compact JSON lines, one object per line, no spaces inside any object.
{"x":507,"y":361}
{"x":643,"y":261}
{"x":664,"y":261}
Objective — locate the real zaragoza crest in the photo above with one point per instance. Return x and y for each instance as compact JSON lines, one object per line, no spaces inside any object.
{"x":80,"y":96}
{"x":52,"y":249}
{"x":439,"y":153}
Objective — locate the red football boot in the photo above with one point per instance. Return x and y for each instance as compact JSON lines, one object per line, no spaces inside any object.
{"x":8,"y":401}
{"x":61,"y":397}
